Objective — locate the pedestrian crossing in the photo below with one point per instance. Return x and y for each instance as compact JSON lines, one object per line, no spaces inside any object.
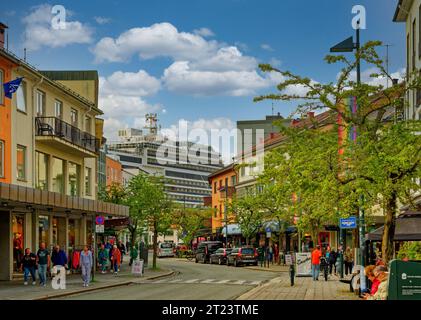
{"x":205,"y":281}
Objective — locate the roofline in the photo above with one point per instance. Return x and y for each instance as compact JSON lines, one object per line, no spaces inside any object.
{"x":222,"y":170}
{"x":398,"y":8}
{"x":11,"y":56}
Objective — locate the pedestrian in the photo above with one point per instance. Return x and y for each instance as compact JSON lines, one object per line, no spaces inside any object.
{"x":86,"y":263}
{"x":133,"y":254}
{"x":122,"y":249}
{"x":17,"y":251}
{"x":268,"y":256}
{"x":276,"y":252}
{"x":43,"y":261}
{"x":58,"y":257}
{"x":261,"y":252}
{"x":103,"y":257}
{"x":29,"y":261}
{"x":116,"y":259}
{"x":315,"y":263}
{"x":333,"y":256}
{"x":271,"y":252}
{"x":381,"y":274}
{"x":349,"y":260}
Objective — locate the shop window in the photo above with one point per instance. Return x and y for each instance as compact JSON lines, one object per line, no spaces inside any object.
{"x":57,"y":171}
{"x":73,"y":179}
{"x":41,"y":171}
{"x":21,"y":162}
{"x":44,"y":229}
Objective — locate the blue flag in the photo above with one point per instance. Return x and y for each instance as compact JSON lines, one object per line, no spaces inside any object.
{"x":11,"y":87}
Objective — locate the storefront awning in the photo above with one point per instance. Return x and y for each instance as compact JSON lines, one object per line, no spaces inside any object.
{"x":408,"y":228}
{"x":233,"y":229}
{"x":12,"y":195}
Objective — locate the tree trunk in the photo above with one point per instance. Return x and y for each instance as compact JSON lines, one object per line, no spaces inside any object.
{"x":279,"y":246}
{"x":155,"y":244}
{"x":389,"y":229}
{"x":247,"y":240}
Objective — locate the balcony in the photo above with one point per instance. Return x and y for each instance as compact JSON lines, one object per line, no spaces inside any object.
{"x":55,"y":131}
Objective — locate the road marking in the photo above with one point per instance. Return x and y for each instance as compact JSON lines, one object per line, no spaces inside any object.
{"x":208,"y":281}
{"x":254,"y":283}
{"x":223,"y":281}
{"x":239,"y":282}
{"x":160,"y":281}
{"x":191,"y":280}
{"x":175,"y":280}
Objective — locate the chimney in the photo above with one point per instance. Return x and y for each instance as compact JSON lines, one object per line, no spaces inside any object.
{"x":3,"y":28}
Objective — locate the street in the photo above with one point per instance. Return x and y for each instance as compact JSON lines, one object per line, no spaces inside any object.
{"x":191,"y":282}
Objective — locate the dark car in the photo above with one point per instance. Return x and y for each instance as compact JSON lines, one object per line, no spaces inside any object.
{"x":242,"y":256}
{"x":205,"y":249}
{"x":220,"y":256}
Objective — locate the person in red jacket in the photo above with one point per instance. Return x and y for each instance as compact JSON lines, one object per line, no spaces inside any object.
{"x":315,"y":262}
{"x":116,"y":259}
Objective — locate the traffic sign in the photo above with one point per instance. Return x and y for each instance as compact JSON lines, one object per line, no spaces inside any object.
{"x":348,"y":223}
{"x":99,"y":228}
{"x":99,"y":220}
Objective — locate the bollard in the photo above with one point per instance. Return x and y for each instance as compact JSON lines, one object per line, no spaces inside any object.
{"x":292,"y":274}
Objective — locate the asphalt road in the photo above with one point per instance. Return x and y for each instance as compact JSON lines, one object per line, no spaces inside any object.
{"x":191,"y":281}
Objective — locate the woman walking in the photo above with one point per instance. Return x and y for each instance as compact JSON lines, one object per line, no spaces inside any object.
{"x":86,"y":263}
{"x":349,"y":260}
{"x":116,"y":259}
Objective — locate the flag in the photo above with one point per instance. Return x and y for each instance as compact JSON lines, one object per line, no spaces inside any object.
{"x":11,"y":87}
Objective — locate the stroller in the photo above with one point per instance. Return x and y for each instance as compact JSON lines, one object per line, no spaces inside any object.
{"x":324,"y":267}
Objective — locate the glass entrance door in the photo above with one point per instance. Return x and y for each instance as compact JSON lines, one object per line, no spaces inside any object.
{"x":18,"y":223}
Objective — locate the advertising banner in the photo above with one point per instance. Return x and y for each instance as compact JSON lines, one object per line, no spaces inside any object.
{"x":303,"y":264}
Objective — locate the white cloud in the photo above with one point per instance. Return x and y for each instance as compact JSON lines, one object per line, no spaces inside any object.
{"x":376,"y":81}
{"x":130,"y":84}
{"x":274,"y":62}
{"x":266,"y":47}
{"x":181,"y":78}
{"x":102,"y":20}
{"x":204,"y":32}
{"x":160,"y":39}
{"x":39,"y":32}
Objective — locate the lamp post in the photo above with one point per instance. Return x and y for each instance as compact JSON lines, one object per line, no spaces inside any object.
{"x":348,"y":45}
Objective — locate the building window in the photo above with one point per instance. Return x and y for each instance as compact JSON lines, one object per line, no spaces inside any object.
{"x":73,"y":182}
{"x":73,"y":117}
{"x":41,"y":171}
{"x":88,"y":125}
{"x":220,"y":210}
{"x":226,"y":182}
{"x":1,"y":87}
{"x":40,"y":104}
{"x":1,"y":158}
{"x":233,"y":180}
{"x":57,"y":172}
{"x":214,"y":187}
{"x":21,"y":97}
{"x":88,"y":177}
{"x":21,"y":162}
{"x":58,"y":109}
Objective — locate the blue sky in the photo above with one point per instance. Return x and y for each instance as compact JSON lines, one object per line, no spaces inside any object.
{"x":194,"y":59}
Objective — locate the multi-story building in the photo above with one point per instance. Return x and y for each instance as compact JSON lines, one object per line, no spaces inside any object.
{"x":409,"y":12}
{"x":186,"y":182}
{"x":223,"y":184}
{"x":48,"y":191}
{"x":114,"y":170}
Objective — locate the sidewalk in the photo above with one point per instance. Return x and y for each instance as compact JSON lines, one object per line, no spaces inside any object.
{"x":15,"y":290}
{"x":272,"y":268}
{"x":304,"y":289}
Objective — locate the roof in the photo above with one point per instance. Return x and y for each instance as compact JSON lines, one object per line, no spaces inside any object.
{"x":227,"y":168}
{"x":68,"y":75}
{"x":402,"y":9}
{"x":12,"y":57}
{"x":408,"y":228}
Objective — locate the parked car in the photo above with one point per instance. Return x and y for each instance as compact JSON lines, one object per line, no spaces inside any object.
{"x":205,"y":249}
{"x":165,"y":249}
{"x":220,"y":256}
{"x":242,"y":256}
{"x":180,"y":250}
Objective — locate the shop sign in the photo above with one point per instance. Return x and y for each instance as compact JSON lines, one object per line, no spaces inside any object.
{"x":303,"y":264}
{"x":348,"y":223}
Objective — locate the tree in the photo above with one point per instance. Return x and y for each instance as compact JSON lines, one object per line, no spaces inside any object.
{"x":373,"y":101}
{"x":248,"y":214}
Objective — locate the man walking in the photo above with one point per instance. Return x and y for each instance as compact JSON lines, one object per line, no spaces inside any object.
{"x":122,"y":249}
{"x":29,"y":261}
{"x":58,"y":257}
{"x":43,"y":260}
{"x":315,"y":263}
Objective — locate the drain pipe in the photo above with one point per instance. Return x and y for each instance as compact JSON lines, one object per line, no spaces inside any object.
{"x":34,"y":104}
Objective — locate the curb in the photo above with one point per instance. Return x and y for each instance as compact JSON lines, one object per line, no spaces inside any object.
{"x":265,"y":269}
{"x":247,"y":294}
{"x":121,"y":284}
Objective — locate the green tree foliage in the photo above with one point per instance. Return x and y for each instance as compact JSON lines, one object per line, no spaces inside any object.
{"x":191,"y":221}
{"x":380,"y":165}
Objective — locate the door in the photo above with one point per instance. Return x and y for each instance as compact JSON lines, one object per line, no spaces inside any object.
{"x":5,"y":246}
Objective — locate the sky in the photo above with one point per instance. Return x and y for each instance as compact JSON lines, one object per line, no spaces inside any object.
{"x":195,"y":60}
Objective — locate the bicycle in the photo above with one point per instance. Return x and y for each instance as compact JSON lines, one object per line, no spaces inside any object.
{"x":190,"y":255}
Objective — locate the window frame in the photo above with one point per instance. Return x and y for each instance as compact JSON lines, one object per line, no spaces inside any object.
{"x":58,"y":103}
{"x":23,"y":148}
{"x":42,"y":94}
{"x":74,"y":122}
{"x":37,"y":153}
{"x":88,"y":183}
{"x":2,"y":146}
{"x":22,"y":88}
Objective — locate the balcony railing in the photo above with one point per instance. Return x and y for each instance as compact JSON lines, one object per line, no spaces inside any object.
{"x":52,"y":126}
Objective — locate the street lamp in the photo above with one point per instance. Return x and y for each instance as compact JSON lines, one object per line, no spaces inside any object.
{"x":348,"y":45}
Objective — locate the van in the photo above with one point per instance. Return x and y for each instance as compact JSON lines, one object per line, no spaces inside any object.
{"x":165,"y":249}
{"x":205,"y":249}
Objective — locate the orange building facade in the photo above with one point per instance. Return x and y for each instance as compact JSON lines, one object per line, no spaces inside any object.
{"x":114,"y":171}
{"x":6,"y":67}
{"x":223,"y":184}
